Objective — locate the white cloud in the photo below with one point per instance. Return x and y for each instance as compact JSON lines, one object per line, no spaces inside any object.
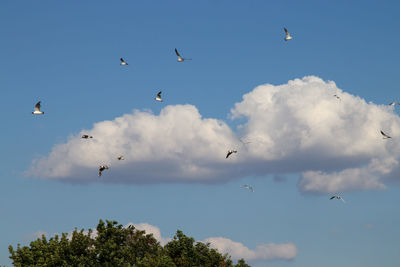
{"x":177,"y":145}
{"x":35,"y":235}
{"x":269,"y":251}
{"x":150,"y":229}
{"x":298,"y":127}
{"x":236,"y":250}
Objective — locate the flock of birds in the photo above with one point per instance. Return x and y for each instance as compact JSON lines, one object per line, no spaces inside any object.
{"x":158,"y":98}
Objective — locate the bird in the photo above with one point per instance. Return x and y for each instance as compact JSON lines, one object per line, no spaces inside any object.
{"x":37,"y":109}
{"x":158,"y":97}
{"x":230,"y":152}
{"x":102,"y":168}
{"x":248,"y":187}
{"x":394,"y":103}
{"x":181,"y":59}
{"x":385,"y":136}
{"x":85,"y":136}
{"x":287,"y":37}
{"x":337,"y":197}
{"x":123,"y":62}
{"x":338,"y":97}
{"x":121,"y":157}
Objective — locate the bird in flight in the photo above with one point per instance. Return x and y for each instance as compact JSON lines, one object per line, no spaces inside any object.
{"x":85,"y":136}
{"x":337,"y":97}
{"x":102,"y":168}
{"x":37,"y":109}
{"x":230,"y":152}
{"x":337,"y":197}
{"x":123,"y":62}
{"x":158,"y":97}
{"x":385,"y":136}
{"x":180,"y":59}
{"x":287,"y":37}
{"x":394,"y":103}
{"x":248,"y":187}
{"x":121,"y":157}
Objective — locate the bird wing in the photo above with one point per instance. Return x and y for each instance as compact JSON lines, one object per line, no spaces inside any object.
{"x":176,"y":51}
{"x":286,"y":31}
{"x":159,"y":94}
{"x":37,"y":106}
{"x":385,"y":135}
{"x":342,"y":200}
{"x":332,"y":197}
{"x":227,"y":155}
{"x":122,"y":60}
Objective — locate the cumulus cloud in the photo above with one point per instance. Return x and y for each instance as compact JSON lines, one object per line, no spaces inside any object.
{"x":269,"y":251}
{"x":298,"y":127}
{"x":176,"y":145}
{"x":236,"y":250}
{"x":35,"y":235}
{"x":151,"y":229}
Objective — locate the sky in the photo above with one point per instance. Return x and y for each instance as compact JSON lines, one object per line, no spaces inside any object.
{"x":244,"y":82}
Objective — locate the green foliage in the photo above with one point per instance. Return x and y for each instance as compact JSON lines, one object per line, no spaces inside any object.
{"x":114,"y":245}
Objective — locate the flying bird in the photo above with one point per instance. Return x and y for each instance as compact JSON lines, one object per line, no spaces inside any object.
{"x":123,"y":62}
{"x":287,"y":37}
{"x":121,"y":157}
{"x":37,"y":109}
{"x":230,"y":152}
{"x":394,"y":103}
{"x":337,"y":197}
{"x":158,"y":97}
{"x":338,"y":97}
{"x":102,"y":168}
{"x":385,"y":136}
{"x":248,"y":187}
{"x":85,"y":136}
{"x":180,"y":59}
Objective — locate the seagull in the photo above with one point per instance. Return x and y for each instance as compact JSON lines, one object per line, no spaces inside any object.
{"x":248,"y":187}
{"x":123,"y":63}
{"x":121,"y":157}
{"x":181,"y":59}
{"x":394,"y":103}
{"x":230,"y":152}
{"x":85,"y":136}
{"x":102,"y":168}
{"x":158,"y":97}
{"x":338,"y":97}
{"x":337,"y":197}
{"x":385,"y":136}
{"x":287,"y":37}
{"x":37,"y":109}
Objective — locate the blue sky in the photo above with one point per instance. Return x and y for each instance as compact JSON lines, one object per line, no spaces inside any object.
{"x":66,"y":54}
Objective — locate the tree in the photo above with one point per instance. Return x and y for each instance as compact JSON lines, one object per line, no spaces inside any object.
{"x":113,"y":245}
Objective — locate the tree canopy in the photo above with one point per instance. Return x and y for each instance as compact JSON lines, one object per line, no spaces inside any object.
{"x":113,"y":245}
